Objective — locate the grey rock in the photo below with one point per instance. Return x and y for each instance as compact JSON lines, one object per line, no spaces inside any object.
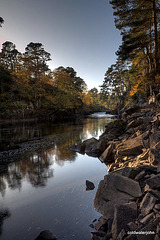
{"x":127,"y":185}
{"x":148,"y":168}
{"x":113,"y":130}
{"x":153,"y":182}
{"x":46,"y":235}
{"x":97,"y":234}
{"x":121,"y":235}
{"x":132,"y":226}
{"x":91,"y":225}
{"x":147,"y":218}
{"x":102,"y":224}
{"x":114,"y":189}
{"x":155,"y":193}
{"x":89,"y":185}
{"x":147,"y":203}
{"x":107,"y":155}
{"x":150,"y":228}
{"x":140,"y":175}
{"x":131,"y":147}
{"x":123,"y":214}
{"x":130,"y":172}
{"x":91,"y":147}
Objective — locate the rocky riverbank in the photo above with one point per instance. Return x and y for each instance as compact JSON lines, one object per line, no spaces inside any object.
{"x":129,"y":196}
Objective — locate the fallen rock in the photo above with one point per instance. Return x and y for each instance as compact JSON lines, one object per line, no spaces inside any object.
{"x":146,"y":232}
{"x":89,"y":185}
{"x":147,"y":203}
{"x":89,"y":146}
{"x":123,"y":214}
{"x":115,"y":189}
{"x":131,"y":147}
{"x":147,"y":218}
{"x":154,"y":182}
{"x":107,"y":155}
{"x":46,"y":235}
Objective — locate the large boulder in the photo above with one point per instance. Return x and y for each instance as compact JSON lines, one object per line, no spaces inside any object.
{"x":91,"y":147}
{"x":115,"y":189}
{"x":131,"y":147}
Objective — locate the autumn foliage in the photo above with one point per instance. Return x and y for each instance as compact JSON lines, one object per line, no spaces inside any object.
{"x":28,"y":88}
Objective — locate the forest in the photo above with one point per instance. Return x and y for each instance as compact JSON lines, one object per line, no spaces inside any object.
{"x":136,"y":73}
{"x":28,"y":88}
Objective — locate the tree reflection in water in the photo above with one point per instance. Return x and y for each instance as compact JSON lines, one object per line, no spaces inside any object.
{"x":37,"y":167}
{"x":4,"y":214}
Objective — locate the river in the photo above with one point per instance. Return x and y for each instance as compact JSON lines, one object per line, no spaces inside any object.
{"x":46,"y":188}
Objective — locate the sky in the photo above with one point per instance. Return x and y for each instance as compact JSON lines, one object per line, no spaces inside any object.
{"x":77,"y":33}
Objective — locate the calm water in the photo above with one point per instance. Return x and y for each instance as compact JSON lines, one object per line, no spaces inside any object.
{"x":46,"y":189}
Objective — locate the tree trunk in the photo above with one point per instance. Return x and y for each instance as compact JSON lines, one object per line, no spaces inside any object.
{"x":155,"y":37}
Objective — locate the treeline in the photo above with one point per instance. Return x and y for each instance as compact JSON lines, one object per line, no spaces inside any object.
{"x":136,"y":74}
{"x":28,"y":88}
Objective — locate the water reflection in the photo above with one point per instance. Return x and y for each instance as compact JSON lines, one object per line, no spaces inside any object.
{"x":12,"y":134}
{"x":38,"y":167}
{"x":45,"y":170}
{"x":4,"y":214}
